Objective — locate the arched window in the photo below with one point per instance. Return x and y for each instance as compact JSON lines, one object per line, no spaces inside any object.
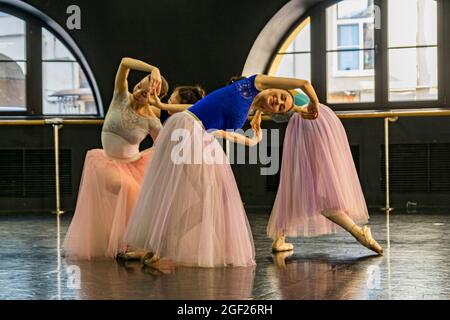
{"x":370,"y":54}
{"x":39,"y":75}
{"x":294,"y":57}
{"x":13,"y":63}
{"x":350,"y":52}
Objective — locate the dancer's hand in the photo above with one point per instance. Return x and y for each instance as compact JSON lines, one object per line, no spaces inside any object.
{"x":307,"y":114}
{"x":256,"y":121}
{"x":313,"y":109}
{"x":155,"y":81}
{"x":154,"y":100}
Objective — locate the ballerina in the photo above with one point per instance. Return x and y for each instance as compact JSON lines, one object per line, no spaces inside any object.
{"x":319,"y":186}
{"x":112,"y":176}
{"x":189,"y":210}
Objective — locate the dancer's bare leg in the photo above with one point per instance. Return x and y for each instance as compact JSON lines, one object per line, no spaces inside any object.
{"x":131,"y":253}
{"x":363,"y":235}
{"x":280,"y":245}
{"x":114,"y":184}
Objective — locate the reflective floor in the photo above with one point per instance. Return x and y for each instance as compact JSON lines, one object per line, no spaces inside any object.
{"x":416,"y":265}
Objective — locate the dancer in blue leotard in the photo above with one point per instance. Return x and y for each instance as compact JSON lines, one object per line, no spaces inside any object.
{"x":189,"y":209}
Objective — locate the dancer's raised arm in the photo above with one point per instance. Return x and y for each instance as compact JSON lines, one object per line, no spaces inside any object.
{"x":127,"y":64}
{"x":170,"y":107}
{"x":263,"y":82}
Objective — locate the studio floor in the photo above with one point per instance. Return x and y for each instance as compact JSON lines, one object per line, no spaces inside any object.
{"x":416,"y":265}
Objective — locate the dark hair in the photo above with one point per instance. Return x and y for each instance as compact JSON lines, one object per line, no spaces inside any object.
{"x":190,"y":94}
{"x":234,"y":79}
{"x":164,"y":87}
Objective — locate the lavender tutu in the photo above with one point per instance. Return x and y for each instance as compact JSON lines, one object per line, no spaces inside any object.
{"x":106,"y":198}
{"x":191,"y":213}
{"x":317,"y":173}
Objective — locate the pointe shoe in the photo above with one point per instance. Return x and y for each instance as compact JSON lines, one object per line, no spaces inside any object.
{"x":279,"y":245}
{"x":129,"y":256}
{"x":149,"y":259}
{"x":368,"y":241}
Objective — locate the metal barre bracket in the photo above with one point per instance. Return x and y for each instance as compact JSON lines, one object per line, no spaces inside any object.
{"x":54,"y":121}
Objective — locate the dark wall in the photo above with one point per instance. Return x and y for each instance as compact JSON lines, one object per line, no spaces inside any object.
{"x":200,"y":41}
{"x":207,"y":41}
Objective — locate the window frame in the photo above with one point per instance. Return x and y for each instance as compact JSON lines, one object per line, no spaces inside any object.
{"x":360,"y":22}
{"x":319,"y":63}
{"x":34,"y":75}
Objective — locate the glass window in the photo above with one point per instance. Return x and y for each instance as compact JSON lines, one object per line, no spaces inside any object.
{"x":351,"y":52}
{"x":12,"y":63}
{"x":65,"y":86}
{"x":413,"y":50}
{"x":294,"y":58}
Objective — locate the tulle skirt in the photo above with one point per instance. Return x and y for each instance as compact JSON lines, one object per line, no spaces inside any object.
{"x":189,"y":209}
{"x":106,"y":198}
{"x":317,"y":173}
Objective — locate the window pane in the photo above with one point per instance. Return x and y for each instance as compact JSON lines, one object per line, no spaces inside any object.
{"x":12,"y":37}
{"x":351,"y":86}
{"x":12,"y":86}
{"x":294,"y":66}
{"x":412,"y":22}
{"x":369,"y":36}
{"x":302,"y":40}
{"x":349,"y":60}
{"x":348,"y":35}
{"x":66,"y":90}
{"x":413,"y":74}
{"x":350,"y":23}
{"x":53,"y":49}
{"x":369,"y":60}
{"x":351,"y":9}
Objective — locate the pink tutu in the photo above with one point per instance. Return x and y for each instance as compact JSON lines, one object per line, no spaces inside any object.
{"x":191,"y":213}
{"x":317,"y":173}
{"x":108,"y":192}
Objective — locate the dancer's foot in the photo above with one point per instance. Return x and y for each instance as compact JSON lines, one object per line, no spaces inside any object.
{"x":279,"y":245}
{"x":149,"y":258}
{"x":130,"y":255}
{"x":364,"y":236}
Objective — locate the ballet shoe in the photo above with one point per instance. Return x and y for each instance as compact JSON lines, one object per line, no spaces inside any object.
{"x":280,"y":246}
{"x":368,"y":241}
{"x":149,"y":258}
{"x":129,"y":256}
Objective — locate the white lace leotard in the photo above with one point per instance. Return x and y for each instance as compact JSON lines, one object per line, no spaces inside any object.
{"x":123,"y":129}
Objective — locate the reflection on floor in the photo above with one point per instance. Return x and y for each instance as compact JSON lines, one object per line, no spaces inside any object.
{"x":416,"y":265}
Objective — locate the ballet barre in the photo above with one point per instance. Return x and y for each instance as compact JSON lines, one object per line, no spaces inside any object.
{"x":57,"y":124}
{"x":388,"y":116}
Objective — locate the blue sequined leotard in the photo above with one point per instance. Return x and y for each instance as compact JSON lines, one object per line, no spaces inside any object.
{"x":226,"y":108}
